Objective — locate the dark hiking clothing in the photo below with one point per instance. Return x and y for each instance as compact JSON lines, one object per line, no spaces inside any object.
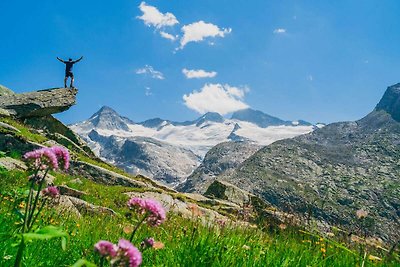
{"x":69,"y":74}
{"x":68,"y":66}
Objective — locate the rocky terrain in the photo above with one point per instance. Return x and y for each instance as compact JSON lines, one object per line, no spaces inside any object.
{"x":221,"y":159}
{"x":20,"y":134}
{"x":170,"y":151}
{"x":40,"y":103}
{"x":332,"y":172}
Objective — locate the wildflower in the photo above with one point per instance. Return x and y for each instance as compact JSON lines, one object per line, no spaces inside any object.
{"x":148,"y":242}
{"x":361,"y":214}
{"x":128,"y":229}
{"x":51,"y":191}
{"x":221,"y":222}
{"x":156,"y":212}
{"x":158,"y":245}
{"x":282,"y":226}
{"x":195,"y":210}
{"x":105,"y":248}
{"x":245,"y":247}
{"x":127,"y":255}
{"x":323,"y":250}
{"x":41,"y":154}
{"x":62,"y":155}
{"x":330,"y":234}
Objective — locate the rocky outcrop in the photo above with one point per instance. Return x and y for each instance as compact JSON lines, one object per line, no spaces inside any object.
{"x":226,"y":191}
{"x":332,"y":172}
{"x":390,"y":102}
{"x":222,"y":158}
{"x":103,"y":176}
{"x":39,"y":103}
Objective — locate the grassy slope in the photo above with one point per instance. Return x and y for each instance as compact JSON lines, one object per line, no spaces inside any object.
{"x":187,"y":243}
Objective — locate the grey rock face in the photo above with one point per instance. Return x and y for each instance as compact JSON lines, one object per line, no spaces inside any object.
{"x":390,"y":102}
{"x":334,"y":171}
{"x":222,"y":158}
{"x":261,"y":119}
{"x":107,"y":118}
{"x":39,"y":103}
{"x":4,"y":91}
{"x":149,"y":157}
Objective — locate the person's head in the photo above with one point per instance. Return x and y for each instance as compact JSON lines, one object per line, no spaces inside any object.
{"x":70,"y":59}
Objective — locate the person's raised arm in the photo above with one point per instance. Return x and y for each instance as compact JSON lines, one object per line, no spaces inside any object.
{"x":59,"y":59}
{"x":78,"y":59}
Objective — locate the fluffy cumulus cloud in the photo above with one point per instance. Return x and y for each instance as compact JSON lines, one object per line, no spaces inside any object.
{"x":150,"y":71}
{"x":153,"y":17}
{"x":192,"y":74}
{"x":279,"y":31}
{"x":198,"y":31}
{"x":216,"y":98}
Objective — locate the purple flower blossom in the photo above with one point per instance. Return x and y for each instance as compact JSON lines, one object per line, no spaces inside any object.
{"x":127,"y":255}
{"x":105,"y":248}
{"x":51,"y":191}
{"x":62,"y":155}
{"x":42,"y":154}
{"x":148,"y":242}
{"x":155,"y":211}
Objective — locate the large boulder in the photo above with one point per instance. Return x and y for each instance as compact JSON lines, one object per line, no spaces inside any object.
{"x":39,"y":103}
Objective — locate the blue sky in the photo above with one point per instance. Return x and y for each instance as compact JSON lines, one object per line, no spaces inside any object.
{"x":322,"y":61}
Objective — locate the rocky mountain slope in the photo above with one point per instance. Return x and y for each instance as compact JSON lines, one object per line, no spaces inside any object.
{"x":169,"y":151}
{"x":222,"y":158}
{"x":335,"y":171}
{"x":19,"y":134}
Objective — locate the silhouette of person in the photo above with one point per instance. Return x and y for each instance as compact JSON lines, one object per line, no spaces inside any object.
{"x":68,"y":70}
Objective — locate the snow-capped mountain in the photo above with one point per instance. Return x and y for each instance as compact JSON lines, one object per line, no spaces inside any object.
{"x":169,"y":151}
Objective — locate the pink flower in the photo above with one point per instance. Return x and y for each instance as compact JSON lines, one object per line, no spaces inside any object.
{"x":148,"y":242}
{"x":62,"y":155}
{"x":51,"y":191}
{"x":155,"y":211}
{"x":127,"y":255}
{"x":42,"y":154}
{"x":105,"y":248}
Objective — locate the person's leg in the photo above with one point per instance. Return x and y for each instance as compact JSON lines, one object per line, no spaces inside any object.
{"x":72,"y":82}
{"x":65,"y":81}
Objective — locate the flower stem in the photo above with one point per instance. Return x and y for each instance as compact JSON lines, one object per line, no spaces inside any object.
{"x":33,"y":208}
{"x":137,"y":227}
{"x":18,"y":258}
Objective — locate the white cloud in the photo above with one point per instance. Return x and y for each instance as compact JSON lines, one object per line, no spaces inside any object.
{"x":216,"y":98}
{"x":168,"y":36}
{"x":190,"y":74}
{"x":153,"y":17}
{"x":149,"y":70}
{"x":198,"y":31}
{"x":279,"y":31}
{"x":310,"y":78}
{"x":147,"y":91}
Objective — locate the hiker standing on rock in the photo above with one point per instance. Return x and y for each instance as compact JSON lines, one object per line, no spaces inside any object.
{"x":68,"y":70}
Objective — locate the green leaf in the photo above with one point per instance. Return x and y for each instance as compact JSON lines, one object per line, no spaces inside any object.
{"x":47,"y":232}
{"x":83,"y":262}
{"x":63,"y":243}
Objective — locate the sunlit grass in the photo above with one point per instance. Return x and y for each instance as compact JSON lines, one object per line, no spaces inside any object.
{"x":187,"y":243}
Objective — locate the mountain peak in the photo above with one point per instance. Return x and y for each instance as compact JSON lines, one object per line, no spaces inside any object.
{"x":108,"y":118}
{"x":257,"y":117}
{"x":210,"y":116}
{"x":390,"y":102}
{"x":104,"y":110}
